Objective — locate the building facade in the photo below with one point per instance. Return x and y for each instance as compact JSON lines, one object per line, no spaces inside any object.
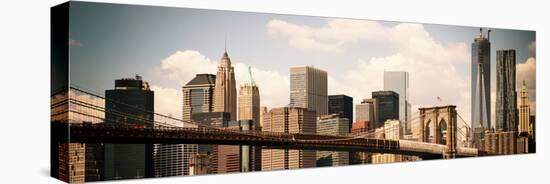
{"x":198,"y":95}
{"x":130,"y":103}
{"x":210,"y":119}
{"x":393,"y":131}
{"x":341,"y":105}
{"x":398,"y":81}
{"x":332,"y":124}
{"x":481,"y":86}
{"x":506,"y":112}
{"x":225,"y":92}
{"x":249,"y":101}
{"x":524,"y":110}
{"x":308,"y":89}
{"x":365,"y":111}
{"x":289,"y":120}
{"x":386,"y":107}
{"x":174,"y":159}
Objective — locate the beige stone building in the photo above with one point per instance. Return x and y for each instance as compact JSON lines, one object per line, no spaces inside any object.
{"x":225,"y":93}
{"x":288,"y":120}
{"x":249,"y":101}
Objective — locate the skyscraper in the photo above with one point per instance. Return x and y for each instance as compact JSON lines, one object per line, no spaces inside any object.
{"x":481,"y":85}
{"x":225,"y":93}
{"x":365,"y":111}
{"x":524,"y":110}
{"x":249,"y":101}
{"x":308,"y":89}
{"x":210,"y":119}
{"x":249,"y":110}
{"x":198,"y":95}
{"x":506,"y":97}
{"x":343,"y":106}
{"x":130,"y":96}
{"x":386,"y":107}
{"x":398,"y":81}
{"x":332,"y":124}
{"x":288,"y":120}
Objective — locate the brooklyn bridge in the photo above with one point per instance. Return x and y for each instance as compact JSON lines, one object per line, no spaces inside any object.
{"x":168,"y":130}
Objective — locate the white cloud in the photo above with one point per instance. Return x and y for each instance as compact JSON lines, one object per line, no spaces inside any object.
{"x":409,"y":39}
{"x":527,"y":71}
{"x":168,"y":101}
{"x":432,"y":65}
{"x":274,"y":87}
{"x":184,"y":65}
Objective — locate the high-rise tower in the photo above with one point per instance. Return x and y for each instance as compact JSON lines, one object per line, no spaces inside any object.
{"x":225,"y":93}
{"x":308,"y":89}
{"x":481,"y":85}
{"x":249,"y":101}
{"x":524,"y":110}
{"x":398,"y":81}
{"x":131,"y":96}
{"x":506,"y":98}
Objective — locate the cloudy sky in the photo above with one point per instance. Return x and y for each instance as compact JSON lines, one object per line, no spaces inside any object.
{"x":168,"y":46}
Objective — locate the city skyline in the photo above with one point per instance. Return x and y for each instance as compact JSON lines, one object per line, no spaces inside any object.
{"x":174,"y":109}
{"x":286,"y":41}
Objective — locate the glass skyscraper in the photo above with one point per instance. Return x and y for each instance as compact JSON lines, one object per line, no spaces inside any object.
{"x":481,"y":85}
{"x":398,"y":81}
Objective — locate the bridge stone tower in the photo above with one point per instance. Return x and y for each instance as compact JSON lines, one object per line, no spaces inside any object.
{"x":438,"y":126}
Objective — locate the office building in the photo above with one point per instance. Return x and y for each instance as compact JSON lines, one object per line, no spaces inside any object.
{"x":210,"y":119}
{"x":481,"y":86}
{"x":365,"y":111}
{"x":524,"y":110}
{"x":506,"y":113}
{"x":249,"y":101}
{"x":200,"y":165}
{"x":289,"y":120}
{"x":198,"y":95}
{"x":308,"y":89}
{"x":386,"y":107}
{"x":225,"y":92}
{"x":332,"y":124}
{"x":341,"y":105}
{"x":131,"y":96}
{"x":398,"y":81}
{"x":392,"y":131}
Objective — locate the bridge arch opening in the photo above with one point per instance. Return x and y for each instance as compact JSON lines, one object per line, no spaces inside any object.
{"x":442,"y":132}
{"x":429,"y":131}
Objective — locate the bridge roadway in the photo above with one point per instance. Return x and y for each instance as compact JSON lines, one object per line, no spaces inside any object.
{"x":101,"y":133}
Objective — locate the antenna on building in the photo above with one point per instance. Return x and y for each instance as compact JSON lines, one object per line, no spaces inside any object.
{"x":225,"y":43}
{"x":250,"y":75}
{"x":489,"y":35}
{"x":480,"y":32}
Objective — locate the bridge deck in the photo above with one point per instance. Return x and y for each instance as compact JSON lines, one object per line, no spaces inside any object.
{"x":101,"y":133}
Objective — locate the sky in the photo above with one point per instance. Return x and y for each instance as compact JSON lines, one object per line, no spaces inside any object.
{"x":169,"y":46}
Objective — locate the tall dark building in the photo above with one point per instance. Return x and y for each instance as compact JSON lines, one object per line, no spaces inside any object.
{"x":386,"y":106}
{"x":341,"y":105}
{"x":506,"y":97}
{"x":130,"y":103}
{"x":198,"y":95}
{"x":481,"y":85}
